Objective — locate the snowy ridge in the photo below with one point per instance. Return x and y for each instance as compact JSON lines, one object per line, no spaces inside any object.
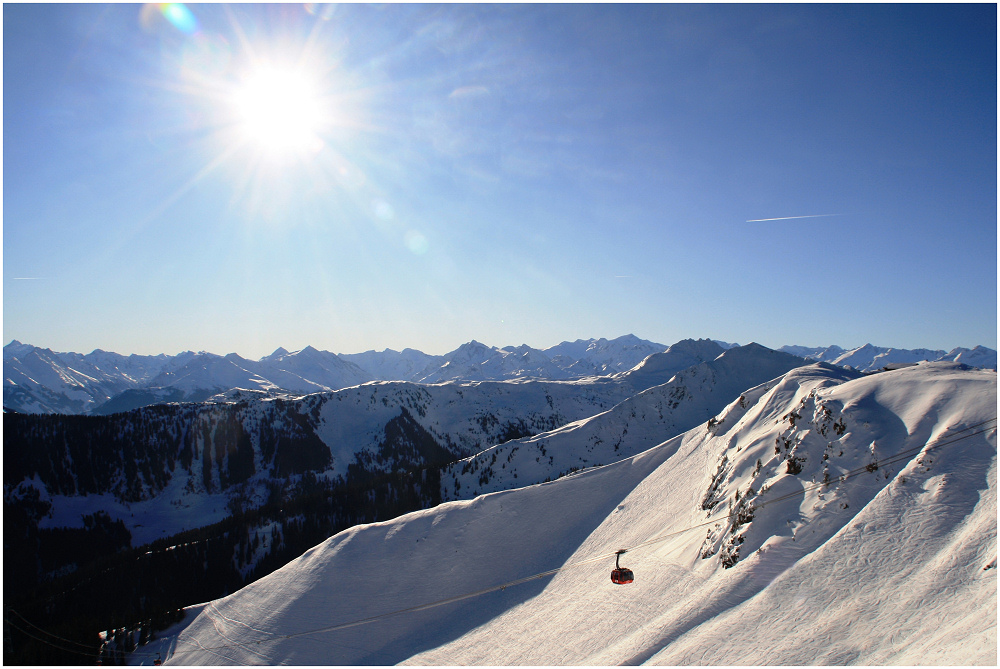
{"x":659,"y":368}
{"x":389,"y":365}
{"x":870,"y":358}
{"x":741,"y":554}
{"x":690,"y":398}
{"x":464,"y":418}
{"x":477,"y":362}
{"x":192,"y":459}
{"x":585,"y":357}
{"x":41,"y":381}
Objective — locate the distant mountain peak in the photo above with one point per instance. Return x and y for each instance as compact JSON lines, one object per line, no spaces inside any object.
{"x":16,"y":349}
{"x":38,"y":380}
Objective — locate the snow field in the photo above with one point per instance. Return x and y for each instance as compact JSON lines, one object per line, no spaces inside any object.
{"x":880,"y":567}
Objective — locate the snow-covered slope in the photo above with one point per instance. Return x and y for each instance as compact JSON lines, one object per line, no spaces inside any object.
{"x":206,"y":376}
{"x":464,"y":418}
{"x":475,"y":361}
{"x":311,"y":370}
{"x":980,"y":356}
{"x":818,"y":353}
{"x":691,"y":397}
{"x":39,"y":380}
{"x":585,"y":357}
{"x":824,"y":519}
{"x":161,"y":470}
{"x":658,"y":368}
{"x":870,"y":358}
{"x":390,"y":365}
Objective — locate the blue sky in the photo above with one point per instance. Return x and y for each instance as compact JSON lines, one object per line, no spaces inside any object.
{"x":511,"y":174}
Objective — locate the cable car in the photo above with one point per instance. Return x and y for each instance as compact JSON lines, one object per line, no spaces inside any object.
{"x":621,"y":575}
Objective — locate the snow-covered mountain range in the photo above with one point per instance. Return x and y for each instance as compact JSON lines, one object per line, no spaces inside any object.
{"x":819,"y":517}
{"x":248,"y":482}
{"x":869,"y":358}
{"x":42,"y":381}
{"x":692,"y":396}
{"x":189,"y":455}
{"x":700,"y":432}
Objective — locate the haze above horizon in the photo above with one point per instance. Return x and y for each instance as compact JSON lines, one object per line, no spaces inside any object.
{"x":360,"y":177}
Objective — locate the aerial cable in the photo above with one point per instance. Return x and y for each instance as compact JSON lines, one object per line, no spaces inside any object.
{"x":47,"y":642}
{"x":56,"y":636}
{"x":814,"y":486}
{"x":597,"y":558}
{"x":90,"y":648}
{"x":411,"y":609}
{"x":89,"y":653}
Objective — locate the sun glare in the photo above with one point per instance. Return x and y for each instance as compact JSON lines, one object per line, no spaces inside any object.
{"x":280,"y":110}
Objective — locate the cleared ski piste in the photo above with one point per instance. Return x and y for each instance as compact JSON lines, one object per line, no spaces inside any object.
{"x":885,"y":566}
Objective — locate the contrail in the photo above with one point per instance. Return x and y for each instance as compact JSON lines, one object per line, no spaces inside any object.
{"x":788,"y":218}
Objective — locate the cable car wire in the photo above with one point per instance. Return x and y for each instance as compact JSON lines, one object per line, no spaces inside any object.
{"x":91,"y":654}
{"x":596,"y":558}
{"x":469,"y":595}
{"x":43,"y":631}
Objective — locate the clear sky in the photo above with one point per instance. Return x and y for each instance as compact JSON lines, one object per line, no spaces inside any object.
{"x":355,"y":177}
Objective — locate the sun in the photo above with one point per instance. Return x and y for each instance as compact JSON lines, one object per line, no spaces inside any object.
{"x":280,"y":110}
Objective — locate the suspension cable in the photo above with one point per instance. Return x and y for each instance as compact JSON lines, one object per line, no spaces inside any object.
{"x":596,"y":558}
{"x":457,"y":598}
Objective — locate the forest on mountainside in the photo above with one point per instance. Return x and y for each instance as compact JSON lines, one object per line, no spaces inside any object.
{"x":74,"y":582}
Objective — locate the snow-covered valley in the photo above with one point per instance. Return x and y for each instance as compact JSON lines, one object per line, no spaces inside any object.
{"x":824,"y":517}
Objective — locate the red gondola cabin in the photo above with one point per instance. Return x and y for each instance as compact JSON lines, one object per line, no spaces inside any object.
{"x":621,"y":575}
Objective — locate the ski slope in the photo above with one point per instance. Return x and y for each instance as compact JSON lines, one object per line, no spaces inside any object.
{"x":741,"y":553}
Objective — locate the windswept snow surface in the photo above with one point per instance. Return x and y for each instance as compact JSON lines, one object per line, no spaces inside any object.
{"x":884,"y":565}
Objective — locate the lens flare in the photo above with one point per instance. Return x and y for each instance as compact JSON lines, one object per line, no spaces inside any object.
{"x":322,"y":10}
{"x":416,"y":242}
{"x":180,"y":17}
{"x":383,"y":210}
{"x":206,"y":55}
